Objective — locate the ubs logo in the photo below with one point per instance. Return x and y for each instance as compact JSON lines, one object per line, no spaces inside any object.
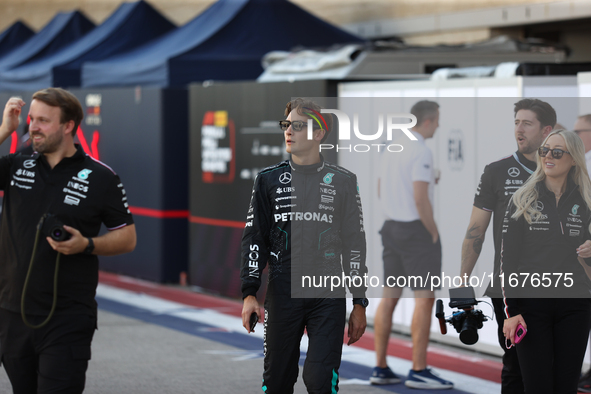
{"x":285,"y":178}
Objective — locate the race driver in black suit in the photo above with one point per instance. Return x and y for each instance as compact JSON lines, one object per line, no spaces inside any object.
{"x":305,"y":221}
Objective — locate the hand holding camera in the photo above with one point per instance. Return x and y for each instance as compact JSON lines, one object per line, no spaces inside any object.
{"x":62,"y":238}
{"x":53,"y":228}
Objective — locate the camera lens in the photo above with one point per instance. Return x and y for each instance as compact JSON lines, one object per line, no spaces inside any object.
{"x":59,"y":234}
{"x":469,"y":336}
{"x":469,"y":332}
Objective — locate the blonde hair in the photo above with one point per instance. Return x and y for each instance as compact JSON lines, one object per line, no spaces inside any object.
{"x":525,"y":197}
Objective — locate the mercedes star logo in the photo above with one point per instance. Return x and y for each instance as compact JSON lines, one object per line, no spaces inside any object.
{"x":285,"y":178}
{"x":513,"y":172}
{"x":539,"y":206}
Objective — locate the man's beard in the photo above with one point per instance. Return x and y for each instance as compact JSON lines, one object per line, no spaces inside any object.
{"x":48,"y":144}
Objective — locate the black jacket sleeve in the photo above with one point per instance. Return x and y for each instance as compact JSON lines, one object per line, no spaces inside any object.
{"x":513,"y":232}
{"x":353,"y":237}
{"x":255,"y":250}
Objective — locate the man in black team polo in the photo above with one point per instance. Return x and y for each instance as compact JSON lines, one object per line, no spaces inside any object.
{"x":61,"y":180}
{"x":304,"y":220}
{"x":534,"y":120}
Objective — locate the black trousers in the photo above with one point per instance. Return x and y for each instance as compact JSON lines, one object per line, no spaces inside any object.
{"x":285,"y":320}
{"x":51,"y":359}
{"x":551,"y":354}
{"x":511,"y":380}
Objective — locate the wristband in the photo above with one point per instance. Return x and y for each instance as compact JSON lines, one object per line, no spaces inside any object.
{"x":90,"y":248}
{"x":364,"y":302}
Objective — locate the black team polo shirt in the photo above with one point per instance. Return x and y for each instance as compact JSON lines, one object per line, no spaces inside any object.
{"x":83,"y":193}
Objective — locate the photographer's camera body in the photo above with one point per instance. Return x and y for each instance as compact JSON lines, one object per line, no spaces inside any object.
{"x":466,"y":320}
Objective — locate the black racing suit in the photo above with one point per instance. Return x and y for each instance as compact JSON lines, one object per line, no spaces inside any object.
{"x":499,"y":181}
{"x":545,"y":283}
{"x":307,"y":223}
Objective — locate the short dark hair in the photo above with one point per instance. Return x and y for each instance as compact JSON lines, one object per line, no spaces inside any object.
{"x":71,"y":109}
{"x":424,"y":110}
{"x":309,"y":108}
{"x":545,"y":114}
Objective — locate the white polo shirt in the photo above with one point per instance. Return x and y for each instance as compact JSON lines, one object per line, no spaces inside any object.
{"x":398,"y":171}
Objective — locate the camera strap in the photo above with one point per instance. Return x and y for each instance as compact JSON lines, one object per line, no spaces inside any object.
{"x":26,"y":284}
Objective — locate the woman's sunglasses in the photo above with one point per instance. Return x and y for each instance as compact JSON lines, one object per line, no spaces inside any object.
{"x":556,"y":153}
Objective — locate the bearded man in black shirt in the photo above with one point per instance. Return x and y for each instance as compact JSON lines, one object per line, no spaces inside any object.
{"x":45,"y":329}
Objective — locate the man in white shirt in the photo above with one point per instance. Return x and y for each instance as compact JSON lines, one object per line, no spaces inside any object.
{"x":411,"y":247}
{"x":583,"y":130}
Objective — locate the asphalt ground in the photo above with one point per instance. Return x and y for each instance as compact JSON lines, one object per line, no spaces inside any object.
{"x":154,"y":339}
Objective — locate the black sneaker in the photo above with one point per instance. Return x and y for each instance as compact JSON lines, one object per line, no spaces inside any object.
{"x":383,"y":376}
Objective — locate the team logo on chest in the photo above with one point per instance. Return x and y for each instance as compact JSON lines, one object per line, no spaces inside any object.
{"x":513,"y":172}
{"x":328,"y":178}
{"x":84,"y":174}
{"x":285,"y":178}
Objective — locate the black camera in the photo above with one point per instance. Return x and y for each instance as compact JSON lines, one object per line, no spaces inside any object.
{"x":54,"y":228}
{"x":468,"y":321}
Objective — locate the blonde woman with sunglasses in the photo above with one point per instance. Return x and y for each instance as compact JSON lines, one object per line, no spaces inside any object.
{"x":545,"y":266}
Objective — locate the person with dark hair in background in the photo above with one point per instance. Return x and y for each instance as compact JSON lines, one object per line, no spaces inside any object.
{"x":411,"y":247}
{"x":534,"y":120}
{"x":583,"y":130}
{"x":304,"y":216}
{"x":47,"y":283}
{"x":546,"y":263}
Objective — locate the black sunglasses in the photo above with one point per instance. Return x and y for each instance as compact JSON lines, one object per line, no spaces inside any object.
{"x":556,"y":153}
{"x":296,"y":125}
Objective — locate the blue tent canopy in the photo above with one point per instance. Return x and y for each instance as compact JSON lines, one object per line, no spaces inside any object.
{"x":15,"y":35}
{"x":131,"y":25}
{"x":225,"y":42}
{"x":62,"y":30}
